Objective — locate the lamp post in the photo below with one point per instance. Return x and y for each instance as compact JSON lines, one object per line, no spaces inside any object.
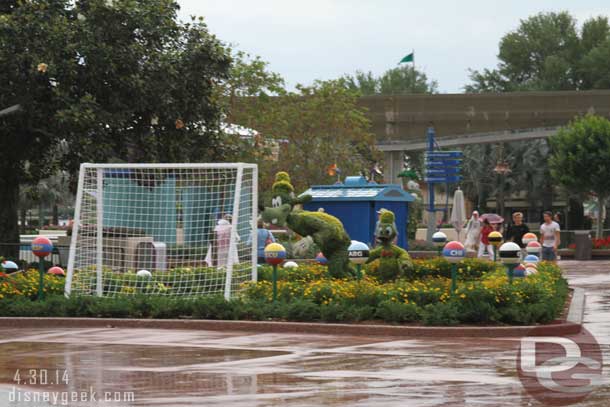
{"x":510,"y":254}
{"x":439,"y":239}
{"x":41,"y":247}
{"x":275,"y":254}
{"x":454,"y":252}
{"x":358,"y":254}
{"x":495,"y":239}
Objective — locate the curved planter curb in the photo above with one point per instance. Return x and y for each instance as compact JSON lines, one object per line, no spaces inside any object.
{"x":556,"y":329}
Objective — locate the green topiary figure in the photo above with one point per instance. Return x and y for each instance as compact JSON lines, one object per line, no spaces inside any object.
{"x":326,"y":231}
{"x":393,"y":260}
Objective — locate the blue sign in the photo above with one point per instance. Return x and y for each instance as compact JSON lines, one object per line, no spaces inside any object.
{"x":443,"y":171}
{"x":455,"y":253}
{"x":443,"y":180}
{"x":444,"y":154}
{"x":443,"y":163}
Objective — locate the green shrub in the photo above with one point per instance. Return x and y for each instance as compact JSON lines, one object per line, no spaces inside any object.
{"x":112,"y":308}
{"x":442,"y":313}
{"x":213,"y":307}
{"x":346,"y":312}
{"x":171,"y":308}
{"x":392,"y":311}
{"x":302,"y":310}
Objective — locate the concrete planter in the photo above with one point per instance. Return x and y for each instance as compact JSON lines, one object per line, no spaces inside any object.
{"x":595,"y":253}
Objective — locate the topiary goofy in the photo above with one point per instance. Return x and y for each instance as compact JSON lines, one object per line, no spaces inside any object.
{"x":326,"y":231}
{"x":393,"y":260}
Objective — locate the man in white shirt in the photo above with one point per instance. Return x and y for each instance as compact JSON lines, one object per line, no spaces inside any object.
{"x":549,"y":237}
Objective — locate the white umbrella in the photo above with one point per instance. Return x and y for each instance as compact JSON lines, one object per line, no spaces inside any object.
{"x":458,"y":212}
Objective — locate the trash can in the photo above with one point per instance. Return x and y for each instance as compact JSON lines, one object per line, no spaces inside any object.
{"x":582,"y":238}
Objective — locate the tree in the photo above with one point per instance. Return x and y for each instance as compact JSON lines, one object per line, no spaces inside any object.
{"x":580,"y":159}
{"x":397,"y":81}
{"x":301,"y":132}
{"x":112,"y":80}
{"x":312,"y":127}
{"x":548,"y":52}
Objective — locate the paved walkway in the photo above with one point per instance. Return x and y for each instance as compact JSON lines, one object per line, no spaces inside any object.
{"x":187,"y":368}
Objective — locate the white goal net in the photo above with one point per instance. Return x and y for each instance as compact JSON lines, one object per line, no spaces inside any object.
{"x":163,"y":229}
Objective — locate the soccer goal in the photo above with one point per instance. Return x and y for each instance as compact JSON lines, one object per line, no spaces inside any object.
{"x":163,"y":229}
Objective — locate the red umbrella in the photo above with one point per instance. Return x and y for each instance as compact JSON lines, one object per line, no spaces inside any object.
{"x":492,"y":218}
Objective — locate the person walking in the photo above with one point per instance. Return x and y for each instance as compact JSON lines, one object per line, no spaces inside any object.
{"x":473,"y":232}
{"x":549,"y":237}
{"x":484,"y":244}
{"x":517,"y":229}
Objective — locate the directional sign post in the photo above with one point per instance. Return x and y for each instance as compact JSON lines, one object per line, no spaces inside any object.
{"x":442,"y":167}
{"x":444,"y":154}
{"x":443,"y":180}
{"x":438,"y":162}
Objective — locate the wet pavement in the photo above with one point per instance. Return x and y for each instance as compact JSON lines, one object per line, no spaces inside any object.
{"x":146,"y":367}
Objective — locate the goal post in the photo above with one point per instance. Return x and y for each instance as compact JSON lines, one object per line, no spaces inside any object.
{"x":164,"y":229}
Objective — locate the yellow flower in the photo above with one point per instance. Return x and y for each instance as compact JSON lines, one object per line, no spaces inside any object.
{"x":42,"y":67}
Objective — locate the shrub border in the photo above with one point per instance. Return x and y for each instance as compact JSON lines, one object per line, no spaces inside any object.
{"x":572,"y":325}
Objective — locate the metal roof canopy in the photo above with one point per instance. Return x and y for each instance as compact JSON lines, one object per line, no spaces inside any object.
{"x":358,"y":189}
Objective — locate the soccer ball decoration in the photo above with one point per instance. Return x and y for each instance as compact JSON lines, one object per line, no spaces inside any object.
{"x":9,"y":266}
{"x":510,"y":253}
{"x":519,"y":271}
{"x":495,"y":238}
{"x":439,"y":238}
{"x":529,"y":237}
{"x":42,"y":246}
{"x":531,"y":259}
{"x":144,"y":274}
{"x":454,"y":252}
{"x":533,"y":248}
{"x":291,"y":265}
{"x":275,"y":254}
{"x":320,"y":259}
{"x":56,"y":271}
{"x":358,"y":252}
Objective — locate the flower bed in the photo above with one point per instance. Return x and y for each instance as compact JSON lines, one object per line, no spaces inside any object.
{"x":597,"y":244}
{"x":483,"y":296}
{"x":25,"y":284}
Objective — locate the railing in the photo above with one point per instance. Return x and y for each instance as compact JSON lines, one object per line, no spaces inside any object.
{"x":59,"y":256}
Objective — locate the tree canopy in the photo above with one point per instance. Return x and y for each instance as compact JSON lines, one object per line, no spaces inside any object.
{"x":402,"y":80}
{"x":580,"y":159}
{"x":107,"y":80}
{"x":548,"y":51}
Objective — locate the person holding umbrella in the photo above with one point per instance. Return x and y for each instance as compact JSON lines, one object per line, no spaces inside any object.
{"x":484,"y":244}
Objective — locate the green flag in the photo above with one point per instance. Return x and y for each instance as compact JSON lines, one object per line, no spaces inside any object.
{"x":408,"y":58}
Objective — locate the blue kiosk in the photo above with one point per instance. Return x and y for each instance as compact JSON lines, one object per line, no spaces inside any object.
{"x":356,"y":203}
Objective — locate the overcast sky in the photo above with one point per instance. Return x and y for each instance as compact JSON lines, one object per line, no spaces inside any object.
{"x":323,"y":39}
